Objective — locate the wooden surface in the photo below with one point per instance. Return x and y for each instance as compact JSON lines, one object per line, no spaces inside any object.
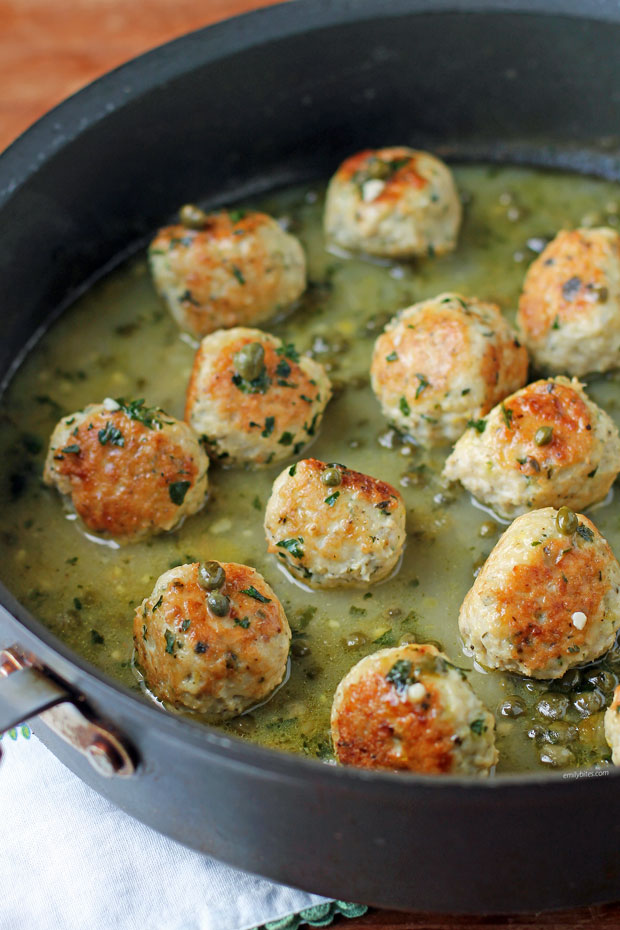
{"x":48,"y":50}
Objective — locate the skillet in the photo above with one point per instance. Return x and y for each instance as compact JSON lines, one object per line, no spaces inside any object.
{"x":281,"y":96}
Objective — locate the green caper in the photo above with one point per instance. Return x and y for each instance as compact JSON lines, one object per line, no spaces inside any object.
{"x":588,"y":702}
{"x":511,"y":707}
{"x":488,"y":528}
{"x":211,"y":575}
{"x":601,"y":678}
{"x":570,"y":681}
{"x":249,"y":361}
{"x":331,"y":477}
{"x":566,"y":521}
{"x":355,"y":640}
{"x":218,"y":604}
{"x":193,"y":217}
{"x":553,"y":706}
{"x":543,"y":436}
{"x":557,"y":756}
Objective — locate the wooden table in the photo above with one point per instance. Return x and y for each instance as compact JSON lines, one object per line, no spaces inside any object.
{"x":49,"y":50}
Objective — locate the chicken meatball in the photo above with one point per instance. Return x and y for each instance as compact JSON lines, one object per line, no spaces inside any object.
{"x":410,"y":709}
{"x":546,"y":599}
{"x":547,"y":445}
{"x":226,"y":269}
{"x":333,"y":527}
{"x":444,"y":362}
{"x":130,"y":470}
{"x":212,"y":638}
{"x":393,"y":202}
{"x":252,"y":399}
{"x":612,"y":727}
{"x":569,"y":311}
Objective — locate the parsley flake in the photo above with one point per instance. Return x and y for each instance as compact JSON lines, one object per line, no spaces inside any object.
{"x":252,"y":592}
{"x":177,"y":491}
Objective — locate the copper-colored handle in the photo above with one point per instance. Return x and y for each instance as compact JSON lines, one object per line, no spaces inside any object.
{"x":29,"y":691}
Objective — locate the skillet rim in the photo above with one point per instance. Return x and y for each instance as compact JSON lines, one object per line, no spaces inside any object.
{"x":78,"y":114}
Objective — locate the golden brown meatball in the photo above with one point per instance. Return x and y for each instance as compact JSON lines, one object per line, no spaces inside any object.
{"x":548,"y":444}
{"x":253,"y":399}
{"x":569,"y":311}
{"x":130,"y":470}
{"x":212,"y":638}
{"x":444,"y":362}
{"x":546,"y":599}
{"x":334,"y":527}
{"x":238,"y":267}
{"x":393,"y":202}
{"x":410,"y":709}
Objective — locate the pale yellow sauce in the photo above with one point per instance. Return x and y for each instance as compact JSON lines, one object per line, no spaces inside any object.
{"x":119,"y":340}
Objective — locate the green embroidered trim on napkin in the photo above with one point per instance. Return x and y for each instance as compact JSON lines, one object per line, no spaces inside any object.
{"x":14,"y":732}
{"x":321,"y":915}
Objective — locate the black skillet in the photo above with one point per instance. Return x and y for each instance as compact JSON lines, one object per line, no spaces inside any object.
{"x":279,"y":96}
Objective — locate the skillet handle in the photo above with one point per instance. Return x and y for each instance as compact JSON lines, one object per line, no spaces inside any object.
{"x":28,"y":691}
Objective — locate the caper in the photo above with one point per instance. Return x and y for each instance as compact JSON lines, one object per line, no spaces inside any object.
{"x":588,"y":702}
{"x":557,"y":756}
{"x":543,"y":436}
{"x":299,"y":649}
{"x":193,"y":217}
{"x":566,"y":521}
{"x":331,"y":477}
{"x":488,"y":528}
{"x":561,"y":733}
{"x":552,"y":706}
{"x":211,"y":575}
{"x":244,"y":724}
{"x":570,"y":681}
{"x":355,"y":640}
{"x":249,"y":361}
{"x":407,"y":639}
{"x":601,"y":678}
{"x":218,"y":604}
{"x":511,"y":707}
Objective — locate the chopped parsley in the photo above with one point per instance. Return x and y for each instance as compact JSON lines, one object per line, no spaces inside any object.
{"x":556,"y":323}
{"x":294,"y":546}
{"x":292,"y":470}
{"x":283,"y":369}
{"x":243,"y":623}
{"x":77,"y":603}
{"x":258,"y":385}
{"x":238,"y":274}
{"x":423,"y":383}
{"x":478,"y":425}
{"x":186,"y":624}
{"x":478,"y":726}
{"x":71,"y":450}
{"x":404,"y":407}
{"x":400,"y":675}
{"x":177,"y":491}
{"x":170,"y":642}
{"x":285,"y":439}
{"x":289,"y":351}
{"x":237,"y":215}
{"x":270,"y":422}
{"x":135,"y":410}
{"x":585,"y":532}
{"x":96,"y":638}
{"x":112,"y":434}
{"x":331,"y":500}
{"x":507,"y":415}
{"x":252,"y":592}
{"x":392,"y":357}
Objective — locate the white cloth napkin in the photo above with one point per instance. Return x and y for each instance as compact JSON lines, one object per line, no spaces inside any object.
{"x":70,"y":860}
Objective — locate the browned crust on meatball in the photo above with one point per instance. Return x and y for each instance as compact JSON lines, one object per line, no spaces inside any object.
{"x":373,"y":721}
{"x":372,"y":489}
{"x":121,"y":490}
{"x":565,"y":576}
{"x":563,"y":281}
{"x":404,"y":177}
{"x":251,"y":413}
{"x":545,"y":403}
